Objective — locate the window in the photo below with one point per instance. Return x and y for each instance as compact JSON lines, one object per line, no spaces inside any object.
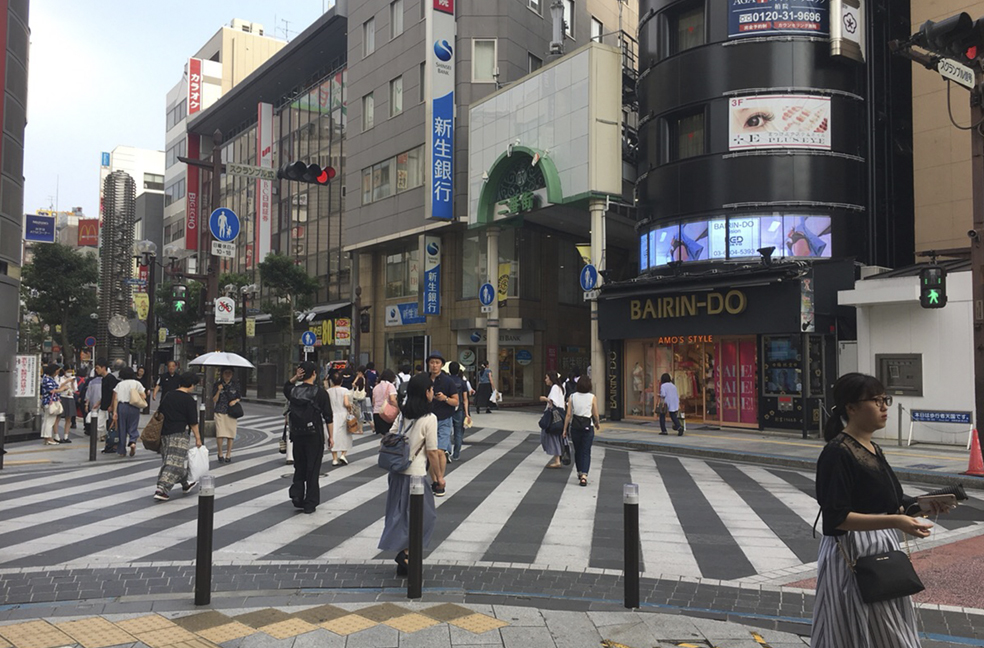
{"x":423,"y":79}
{"x":569,"y":18}
{"x":423,"y":9}
{"x":174,"y":192}
{"x":368,"y":37}
{"x":535,"y":63}
{"x":518,"y":249}
{"x":396,"y":18}
{"x":483,"y":60}
{"x":153,"y":181}
{"x":403,"y":273}
{"x":686,"y":136}
{"x":395,"y":175}
{"x":685,"y":27}
{"x":597,"y":29}
{"x":396,"y":96}
{"x":368,"y":112}
{"x":176,"y":114}
{"x":534,"y":5}
{"x":171,"y":156}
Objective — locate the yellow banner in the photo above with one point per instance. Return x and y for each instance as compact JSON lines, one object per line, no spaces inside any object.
{"x":141,"y":304}
{"x":327,"y":336}
{"x":162,"y":335}
{"x":503,"y":284}
{"x":317,"y":330}
{"x":250,"y":327}
{"x":584,"y":249}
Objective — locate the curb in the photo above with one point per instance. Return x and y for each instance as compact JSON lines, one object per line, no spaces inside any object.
{"x":924,"y":476}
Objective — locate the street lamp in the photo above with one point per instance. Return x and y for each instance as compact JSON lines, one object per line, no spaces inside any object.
{"x":148,"y":250}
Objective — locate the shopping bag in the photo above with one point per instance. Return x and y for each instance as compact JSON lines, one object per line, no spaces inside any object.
{"x":197,"y":463}
{"x":151,"y":435}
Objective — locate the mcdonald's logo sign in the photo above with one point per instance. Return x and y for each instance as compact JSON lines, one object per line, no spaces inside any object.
{"x":89,"y":232}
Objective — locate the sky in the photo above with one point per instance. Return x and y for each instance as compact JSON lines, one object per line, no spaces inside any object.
{"x":99,"y":74}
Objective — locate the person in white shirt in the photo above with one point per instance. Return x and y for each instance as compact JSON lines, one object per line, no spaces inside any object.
{"x":126,"y":415}
{"x":669,"y":401}
{"x":581,"y":422}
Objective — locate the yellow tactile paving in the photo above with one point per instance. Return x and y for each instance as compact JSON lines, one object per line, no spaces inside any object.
{"x":95,"y":632}
{"x":144,"y":624}
{"x":4,"y":643}
{"x":446,"y":612}
{"x":478,"y":623}
{"x":202,"y":621}
{"x":382,"y":612}
{"x":165,"y":636}
{"x":194,"y":643}
{"x":35,"y":634}
{"x":411,"y":622}
{"x":348,"y":624}
{"x":288,"y":628}
{"x":264,"y":617}
{"x":226,"y":632}
{"x":320,"y":614}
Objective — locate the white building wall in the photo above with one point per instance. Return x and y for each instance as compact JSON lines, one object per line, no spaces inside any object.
{"x":891,"y":321}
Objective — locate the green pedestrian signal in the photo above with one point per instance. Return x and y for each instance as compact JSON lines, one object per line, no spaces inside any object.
{"x":932,"y":287}
{"x":179,"y":298}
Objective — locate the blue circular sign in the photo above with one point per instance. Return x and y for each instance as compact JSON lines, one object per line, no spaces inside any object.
{"x":486,"y":294}
{"x":224,"y":225}
{"x":523,"y":357}
{"x":589,"y":277}
{"x":90,"y":341}
{"x":308,"y":338}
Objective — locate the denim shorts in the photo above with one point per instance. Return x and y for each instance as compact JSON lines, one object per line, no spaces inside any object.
{"x":444,"y":429}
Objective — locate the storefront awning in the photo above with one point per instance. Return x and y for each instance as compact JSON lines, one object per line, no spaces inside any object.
{"x":324,"y":311}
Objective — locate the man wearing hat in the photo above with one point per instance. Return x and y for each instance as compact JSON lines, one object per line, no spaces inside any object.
{"x":443,"y":406}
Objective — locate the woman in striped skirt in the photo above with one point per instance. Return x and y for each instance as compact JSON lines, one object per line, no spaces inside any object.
{"x":861,"y":501}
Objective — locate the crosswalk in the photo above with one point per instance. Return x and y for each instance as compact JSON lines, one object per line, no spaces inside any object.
{"x":698,"y":518}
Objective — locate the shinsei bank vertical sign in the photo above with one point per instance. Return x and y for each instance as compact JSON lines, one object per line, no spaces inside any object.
{"x":440,"y":108}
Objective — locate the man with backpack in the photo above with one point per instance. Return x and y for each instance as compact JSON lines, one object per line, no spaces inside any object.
{"x":402,"y":382}
{"x":308,"y":416}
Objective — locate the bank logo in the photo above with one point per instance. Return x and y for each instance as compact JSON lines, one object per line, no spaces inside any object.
{"x":433,"y":249}
{"x":443,"y":50}
{"x":475,"y":336}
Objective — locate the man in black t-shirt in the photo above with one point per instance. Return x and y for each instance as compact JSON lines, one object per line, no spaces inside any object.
{"x":166,"y":382}
{"x":180,"y":411}
{"x":443,"y":406}
{"x":109,"y":382}
{"x":307,"y":403}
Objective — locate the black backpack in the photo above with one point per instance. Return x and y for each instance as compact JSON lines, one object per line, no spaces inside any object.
{"x":401,"y":391}
{"x":302,"y":413}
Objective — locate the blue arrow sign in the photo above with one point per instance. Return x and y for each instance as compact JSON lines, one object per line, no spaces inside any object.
{"x":308,"y":338}
{"x":224,"y":225}
{"x":486,"y":294}
{"x":589,"y":277}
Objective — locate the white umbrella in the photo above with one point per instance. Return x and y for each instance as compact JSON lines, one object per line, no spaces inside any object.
{"x":221,"y":359}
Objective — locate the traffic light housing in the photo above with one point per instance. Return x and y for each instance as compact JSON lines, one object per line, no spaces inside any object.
{"x":364,"y":321}
{"x":307,"y":173}
{"x":179,"y":298}
{"x":958,"y":37}
{"x":932,"y":287}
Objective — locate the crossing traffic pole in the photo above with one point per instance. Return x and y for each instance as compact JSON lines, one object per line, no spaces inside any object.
{"x":415,"y":566}
{"x":3,"y":436}
{"x":93,"y":434}
{"x":203,"y":557}
{"x":630,"y":508}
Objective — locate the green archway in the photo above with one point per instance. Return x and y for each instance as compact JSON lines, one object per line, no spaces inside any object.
{"x":504,"y":167}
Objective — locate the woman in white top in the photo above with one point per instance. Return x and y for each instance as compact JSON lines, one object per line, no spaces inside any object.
{"x":67,"y":385}
{"x":420,"y":426}
{"x":552,"y":440}
{"x":126,"y":416}
{"x":382,"y":394}
{"x":341,"y":407}
{"x":581,"y":422}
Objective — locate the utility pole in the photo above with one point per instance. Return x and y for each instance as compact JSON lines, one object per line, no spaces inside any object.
{"x":976,"y":247}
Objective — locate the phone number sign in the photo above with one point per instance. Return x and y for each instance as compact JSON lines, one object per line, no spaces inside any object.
{"x":758,"y":18}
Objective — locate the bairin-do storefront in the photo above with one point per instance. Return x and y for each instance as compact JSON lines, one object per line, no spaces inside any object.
{"x":755,"y":350}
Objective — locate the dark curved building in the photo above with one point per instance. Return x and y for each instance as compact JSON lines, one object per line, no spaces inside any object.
{"x":766,"y":171}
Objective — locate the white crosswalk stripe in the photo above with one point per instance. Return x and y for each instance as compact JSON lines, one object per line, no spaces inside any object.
{"x":119,"y":523}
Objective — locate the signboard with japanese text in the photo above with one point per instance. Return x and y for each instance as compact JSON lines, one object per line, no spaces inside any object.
{"x":779,"y":121}
{"x":404,"y":314}
{"x":327,"y":332}
{"x":440,"y":76}
{"x":89,"y":232}
{"x":141,"y":304}
{"x":432,"y":275}
{"x":931,"y":416}
{"x":194,"y":85}
{"x":263,"y":226}
{"x":251,"y":327}
{"x":27,"y":376}
{"x":191,"y":197}
{"x":343,"y":332}
{"x":39,"y":229}
{"x":771,"y":17}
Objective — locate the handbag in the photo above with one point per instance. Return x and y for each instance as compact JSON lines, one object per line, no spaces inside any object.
{"x":565,"y":453}
{"x":884,"y":576}
{"x":352,"y":424}
{"x":151,"y":434}
{"x":55,"y":408}
{"x":388,"y":411}
{"x":552,"y":420}
{"x":137,"y":398}
{"x":394,"y":451}
{"x":236,"y":411}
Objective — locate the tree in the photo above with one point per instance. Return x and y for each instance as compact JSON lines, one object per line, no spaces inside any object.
{"x":292,"y":287}
{"x":59,"y":285}
{"x":178,"y":323}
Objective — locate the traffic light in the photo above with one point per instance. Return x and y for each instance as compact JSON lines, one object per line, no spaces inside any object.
{"x":932,"y":287}
{"x":364,"y":321}
{"x":179,"y":298}
{"x":958,"y":37}
{"x":308,"y":173}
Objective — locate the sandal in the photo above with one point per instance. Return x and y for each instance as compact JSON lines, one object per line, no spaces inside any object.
{"x":555,"y":465}
{"x":583,"y":480}
{"x":133,"y":449}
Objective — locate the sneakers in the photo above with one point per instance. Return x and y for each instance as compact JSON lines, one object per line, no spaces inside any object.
{"x":187,"y":487}
{"x":447,"y":455}
{"x":161,"y":495}
{"x":51,"y":442}
{"x":438,"y":490}
{"x":66,"y":440}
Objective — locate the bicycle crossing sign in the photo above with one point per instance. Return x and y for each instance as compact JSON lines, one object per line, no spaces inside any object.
{"x":225,"y":310}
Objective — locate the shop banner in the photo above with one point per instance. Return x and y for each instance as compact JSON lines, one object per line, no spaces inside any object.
{"x":505,"y":270}
{"x":779,"y":121}
{"x":193,"y":182}
{"x":141,"y":304}
{"x":89,"y":232}
{"x":318,"y":330}
{"x":440,"y":108}
{"x":404,"y":314}
{"x":263,"y":225}
{"x":748,"y":381}
{"x":771,"y":17}
{"x":251,"y":327}
{"x":327,"y":332}
{"x":27,"y":376}
{"x":343,"y":332}
{"x":194,"y":85}
{"x":432,"y":275}
{"x":808,"y":316}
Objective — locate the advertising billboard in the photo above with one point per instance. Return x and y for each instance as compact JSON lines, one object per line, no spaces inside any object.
{"x":439,"y":86}
{"x":39,"y":229}
{"x":771,"y":17}
{"x":779,"y":121}
{"x":89,"y":232}
{"x":263,"y":225}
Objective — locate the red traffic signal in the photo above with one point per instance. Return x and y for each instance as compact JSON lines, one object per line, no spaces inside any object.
{"x":307,"y":173}
{"x":958,"y":37}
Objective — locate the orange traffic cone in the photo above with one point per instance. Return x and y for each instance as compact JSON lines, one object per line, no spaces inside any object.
{"x":976,"y":466}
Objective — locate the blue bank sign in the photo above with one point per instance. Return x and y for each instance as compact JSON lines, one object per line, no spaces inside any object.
{"x":39,"y":229}
{"x":440,"y":108}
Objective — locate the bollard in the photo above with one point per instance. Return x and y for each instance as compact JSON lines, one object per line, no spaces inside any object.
{"x":201,"y":419}
{"x":3,"y":436}
{"x":93,"y":434}
{"x":203,"y":558}
{"x":415,"y":568}
{"x":630,"y":506}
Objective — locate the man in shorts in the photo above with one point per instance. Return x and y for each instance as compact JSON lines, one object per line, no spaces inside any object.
{"x":443,"y":406}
